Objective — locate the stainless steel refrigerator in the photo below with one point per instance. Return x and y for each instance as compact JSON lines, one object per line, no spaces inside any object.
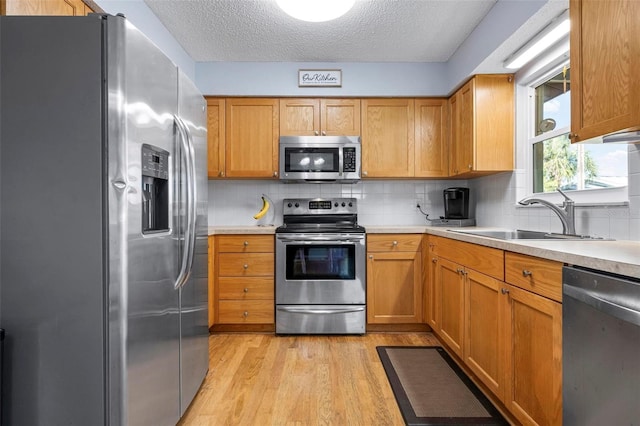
{"x":103,"y":225}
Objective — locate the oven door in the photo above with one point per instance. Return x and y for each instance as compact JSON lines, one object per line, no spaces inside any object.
{"x":320,"y":269}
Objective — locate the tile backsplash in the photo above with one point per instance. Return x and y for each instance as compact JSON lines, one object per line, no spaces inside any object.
{"x":393,"y":202}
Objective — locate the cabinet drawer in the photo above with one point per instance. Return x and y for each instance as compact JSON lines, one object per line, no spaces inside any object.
{"x":246,"y":311}
{"x":540,"y":276}
{"x":245,"y":244}
{"x":245,"y":288}
{"x":394,"y":242}
{"x":487,"y":260}
{"x":245,"y":264}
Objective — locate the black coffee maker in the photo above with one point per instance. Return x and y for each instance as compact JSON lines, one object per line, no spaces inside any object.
{"x":456,"y":203}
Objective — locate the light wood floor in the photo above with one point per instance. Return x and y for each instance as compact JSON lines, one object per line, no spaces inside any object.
{"x":262,"y":379}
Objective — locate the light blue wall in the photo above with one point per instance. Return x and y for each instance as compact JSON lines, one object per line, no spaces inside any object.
{"x":358,"y":79}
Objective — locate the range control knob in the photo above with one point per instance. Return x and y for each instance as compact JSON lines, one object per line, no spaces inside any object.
{"x":350,"y":204}
{"x":343,"y":204}
{"x":335,"y":205}
{"x":289,"y":205}
{"x":297,"y":205}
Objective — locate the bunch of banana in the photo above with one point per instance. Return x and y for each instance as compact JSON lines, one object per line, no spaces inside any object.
{"x":265,"y":208}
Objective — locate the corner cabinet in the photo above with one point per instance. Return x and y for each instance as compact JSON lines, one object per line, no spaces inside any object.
{"x":394,"y":279}
{"x":482,"y":126}
{"x":605,"y":59}
{"x":251,"y":141}
{"x":319,"y":117}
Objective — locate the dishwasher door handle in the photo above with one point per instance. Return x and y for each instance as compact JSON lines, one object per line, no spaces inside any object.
{"x":600,"y":302}
{"x":321,"y":311}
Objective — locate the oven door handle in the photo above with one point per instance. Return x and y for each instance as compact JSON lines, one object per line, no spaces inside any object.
{"x":312,"y":240}
{"x":321,"y":311}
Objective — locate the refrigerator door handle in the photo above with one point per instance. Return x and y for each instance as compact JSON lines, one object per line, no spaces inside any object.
{"x":190,"y":233}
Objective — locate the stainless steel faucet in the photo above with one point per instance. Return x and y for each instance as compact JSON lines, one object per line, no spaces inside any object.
{"x":566,"y":214}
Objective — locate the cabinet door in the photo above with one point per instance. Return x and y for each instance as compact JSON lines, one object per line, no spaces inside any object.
{"x":484,"y":330}
{"x":431,"y":128}
{"x":534,"y":358}
{"x":340,"y":117}
{"x":450,"y":291}
{"x":394,"y":288}
{"x":605,"y":58}
{"x":252,"y":132}
{"x":299,"y":117}
{"x":44,"y":7}
{"x":462,"y":129}
{"x":215,"y":137}
{"x":388,"y":138}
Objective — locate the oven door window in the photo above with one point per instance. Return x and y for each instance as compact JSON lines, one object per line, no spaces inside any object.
{"x":321,"y":262}
{"x":311,"y":160}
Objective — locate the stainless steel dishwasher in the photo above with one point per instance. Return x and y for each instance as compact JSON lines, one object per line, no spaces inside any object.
{"x":601,"y":348}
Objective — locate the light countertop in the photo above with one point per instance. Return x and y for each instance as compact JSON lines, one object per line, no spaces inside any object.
{"x":619,"y":257}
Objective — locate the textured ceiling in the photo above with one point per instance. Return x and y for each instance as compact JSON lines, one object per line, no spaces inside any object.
{"x":373,"y":31}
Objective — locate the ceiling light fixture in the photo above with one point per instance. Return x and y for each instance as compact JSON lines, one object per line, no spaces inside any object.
{"x":315,"y":10}
{"x":557,"y":29}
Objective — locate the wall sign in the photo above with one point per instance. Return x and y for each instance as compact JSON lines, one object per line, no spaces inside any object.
{"x":319,"y":78}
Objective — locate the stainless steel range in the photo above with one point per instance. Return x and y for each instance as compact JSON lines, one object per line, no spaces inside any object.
{"x":320,"y":268}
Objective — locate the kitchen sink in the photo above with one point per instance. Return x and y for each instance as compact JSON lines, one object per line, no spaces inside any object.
{"x":520,"y":234}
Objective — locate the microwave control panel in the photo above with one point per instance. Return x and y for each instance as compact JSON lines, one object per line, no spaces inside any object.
{"x":349,"y":159}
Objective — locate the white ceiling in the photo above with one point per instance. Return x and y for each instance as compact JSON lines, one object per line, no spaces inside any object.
{"x":373,"y":31}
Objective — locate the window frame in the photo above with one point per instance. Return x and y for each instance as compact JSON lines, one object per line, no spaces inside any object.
{"x":525,"y":102}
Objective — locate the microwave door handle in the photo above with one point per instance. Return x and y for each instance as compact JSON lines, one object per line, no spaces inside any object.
{"x":340,"y":162}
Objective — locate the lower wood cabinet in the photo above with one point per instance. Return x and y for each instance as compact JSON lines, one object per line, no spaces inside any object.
{"x":394,"y":279}
{"x":244,"y":279}
{"x":508,"y":334}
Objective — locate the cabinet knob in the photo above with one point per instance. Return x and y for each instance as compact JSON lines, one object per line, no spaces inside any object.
{"x":275,"y":174}
{"x":221,"y":174}
{"x":459,"y":270}
{"x":574,"y":136}
{"x":324,"y":133}
{"x":315,"y":132}
{"x":526,"y":273}
{"x":434,"y":260}
{"x":504,"y":290}
{"x":245,"y":314}
{"x":470,"y":166}
{"x":364,"y":173}
{"x":246,"y":243}
{"x":245,"y":266}
{"x":395,"y":243}
{"x":371,"y":256}
{"x":246,"y":290}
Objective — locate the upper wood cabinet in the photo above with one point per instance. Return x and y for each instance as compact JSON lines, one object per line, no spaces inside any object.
{"x":319,"y":117}
{"x":482,"y":126}
{"x":45,"y":7}
{"x":605,"y":58}
{"x":252,"y":133}
{"x":431,"y":141}
{"x":388,"y":135}
{"x":215,"y":137}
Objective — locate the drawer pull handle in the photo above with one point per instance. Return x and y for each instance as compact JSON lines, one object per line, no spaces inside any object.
{"x":245,"y":266}
{"x":434,"y":260}
{"x":395,"y":243}
{"x":246,"y":290}
{"x":504,"y":290}
{"x":246,"y":243}
{"x":526,"y":273}
{"x":245,"y":314}
{"x":371,"y":256}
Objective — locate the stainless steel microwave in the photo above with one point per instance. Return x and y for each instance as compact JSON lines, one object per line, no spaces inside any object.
{"x":320,"y":159}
